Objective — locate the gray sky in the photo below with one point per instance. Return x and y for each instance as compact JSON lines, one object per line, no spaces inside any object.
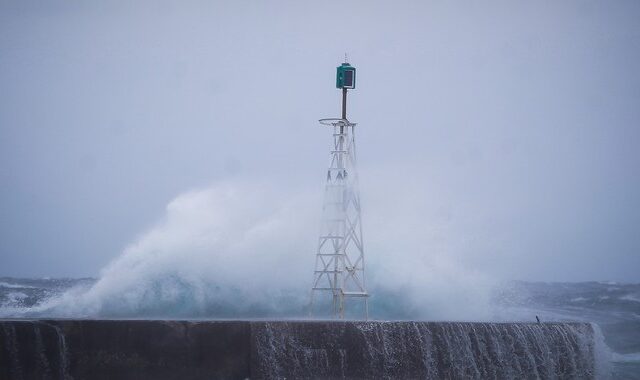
{"x":512,"y":126}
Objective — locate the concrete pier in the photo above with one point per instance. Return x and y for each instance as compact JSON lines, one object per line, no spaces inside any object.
{"x":157,"y":349}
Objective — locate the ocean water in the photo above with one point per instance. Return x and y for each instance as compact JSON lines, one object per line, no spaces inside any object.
{"x":614,"y":307}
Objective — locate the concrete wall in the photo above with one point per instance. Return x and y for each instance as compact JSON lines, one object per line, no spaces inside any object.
{"x":143,"y":349}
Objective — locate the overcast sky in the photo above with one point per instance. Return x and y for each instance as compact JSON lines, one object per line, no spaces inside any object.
{"x":518,"y":121}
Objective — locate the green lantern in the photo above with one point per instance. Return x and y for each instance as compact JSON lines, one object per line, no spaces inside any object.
{"x":346,"y":76}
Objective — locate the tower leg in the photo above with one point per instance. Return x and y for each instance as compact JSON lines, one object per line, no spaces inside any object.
{"x":366,"y":309}
{"x":311,"y":303}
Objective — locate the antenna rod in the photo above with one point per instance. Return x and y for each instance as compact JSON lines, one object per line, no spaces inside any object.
{"x":344,"y":105}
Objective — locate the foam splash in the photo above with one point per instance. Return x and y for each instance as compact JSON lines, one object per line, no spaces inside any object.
{"x":633,"y":357}
{"x":603,"y":354}
{"x":246,"y":249}
{"x":14,"y":286}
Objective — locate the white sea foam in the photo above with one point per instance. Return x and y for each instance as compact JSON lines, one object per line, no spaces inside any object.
{"x":14,"y":286}
{"x":16,"y":296}
{"x":247,"y":247}
{"x":631,"y":297}
{"x":602,"y":354}
{"x":633,"y":357}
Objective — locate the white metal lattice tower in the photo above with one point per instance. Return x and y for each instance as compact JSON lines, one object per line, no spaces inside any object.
{"x":339,"y":268}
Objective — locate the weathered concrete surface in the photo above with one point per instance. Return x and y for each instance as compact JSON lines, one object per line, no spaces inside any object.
{"x":109,"y":349}
{"x":143,"y":349}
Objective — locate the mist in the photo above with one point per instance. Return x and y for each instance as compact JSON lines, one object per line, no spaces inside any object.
{"x":168,"y":149}
{"x":242,"y":249}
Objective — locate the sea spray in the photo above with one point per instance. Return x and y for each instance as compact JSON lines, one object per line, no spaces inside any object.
{"x":242,"y":249}
{"x":602,"y":354}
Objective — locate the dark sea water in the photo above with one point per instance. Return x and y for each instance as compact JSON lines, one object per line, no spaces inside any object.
{"x":614,"y":307}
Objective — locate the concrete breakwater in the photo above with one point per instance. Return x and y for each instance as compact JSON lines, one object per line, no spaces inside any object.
{"x":159,"y":349}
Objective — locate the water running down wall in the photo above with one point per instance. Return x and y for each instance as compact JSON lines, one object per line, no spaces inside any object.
{"x":144,"y":349}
